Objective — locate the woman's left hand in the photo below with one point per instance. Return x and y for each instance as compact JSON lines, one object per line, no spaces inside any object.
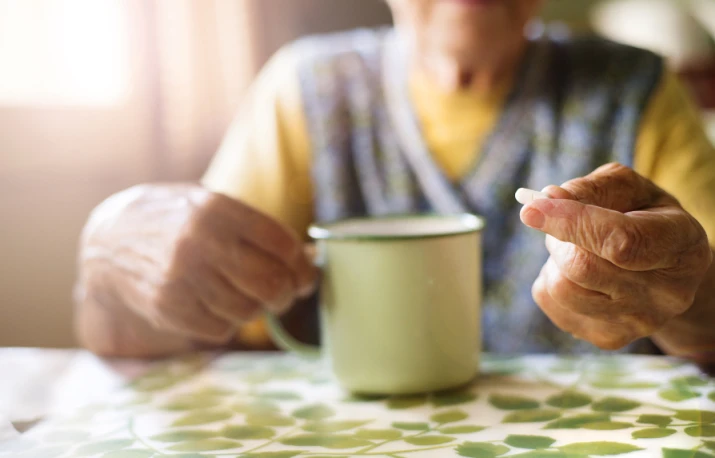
{"x":625,"y":260}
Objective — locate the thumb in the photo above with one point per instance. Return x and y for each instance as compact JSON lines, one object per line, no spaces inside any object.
{"x":615,"y":187}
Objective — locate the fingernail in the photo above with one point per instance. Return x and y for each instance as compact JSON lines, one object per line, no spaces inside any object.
{"x":533,"y":218}
{"x":308,"y":290}
{"x":557,"y":192}
{"x":526,"y":196}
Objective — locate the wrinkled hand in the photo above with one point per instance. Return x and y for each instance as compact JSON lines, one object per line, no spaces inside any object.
{"x":625,"y":257}
{"x":190,"y":261}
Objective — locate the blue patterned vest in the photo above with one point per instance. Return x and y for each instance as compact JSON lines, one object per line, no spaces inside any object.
{"x":574,"y":106}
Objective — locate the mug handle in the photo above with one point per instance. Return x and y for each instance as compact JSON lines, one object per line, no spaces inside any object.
{"x":281,"y":337}
{"x":287,"y":342}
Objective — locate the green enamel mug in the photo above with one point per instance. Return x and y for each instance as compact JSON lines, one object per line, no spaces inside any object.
{"x":400,"y":303}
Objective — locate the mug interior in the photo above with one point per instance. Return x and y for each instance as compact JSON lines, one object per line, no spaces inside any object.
{"x":402,"y":227}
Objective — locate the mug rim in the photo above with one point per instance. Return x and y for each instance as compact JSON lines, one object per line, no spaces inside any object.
{"x":326,"y":231}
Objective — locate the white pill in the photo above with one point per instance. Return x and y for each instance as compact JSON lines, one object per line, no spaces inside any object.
{"x":526,"y":196}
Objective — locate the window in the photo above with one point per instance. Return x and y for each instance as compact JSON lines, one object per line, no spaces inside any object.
{"x":64,"y":52}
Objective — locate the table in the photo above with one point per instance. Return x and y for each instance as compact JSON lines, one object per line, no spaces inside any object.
{"x":38,"y":382}
{"x":278,"y":406}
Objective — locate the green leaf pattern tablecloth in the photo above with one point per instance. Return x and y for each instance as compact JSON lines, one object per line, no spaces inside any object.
{"x":278,"y":406}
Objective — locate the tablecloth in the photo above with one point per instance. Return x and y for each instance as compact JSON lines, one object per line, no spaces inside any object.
{"x":278,"y":406}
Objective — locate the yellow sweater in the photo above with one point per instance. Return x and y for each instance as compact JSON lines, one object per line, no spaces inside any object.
{"x":265,"y":159}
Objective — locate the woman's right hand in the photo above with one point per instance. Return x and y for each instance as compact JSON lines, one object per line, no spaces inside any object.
{"x":189,"y":262}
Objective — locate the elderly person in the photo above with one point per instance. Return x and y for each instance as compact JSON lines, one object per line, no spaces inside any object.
{"x":450,"y":111}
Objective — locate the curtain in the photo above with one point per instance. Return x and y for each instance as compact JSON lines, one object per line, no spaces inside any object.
{"x":201,"y":58}
{"x":96,"y":96}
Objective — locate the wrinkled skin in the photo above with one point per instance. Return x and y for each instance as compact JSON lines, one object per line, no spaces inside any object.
{"x":189,"y":263}
{"x":626,"y":259}
{"x":168,"y":268}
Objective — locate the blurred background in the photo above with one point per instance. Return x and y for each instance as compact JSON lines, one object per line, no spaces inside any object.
{"x":98,"y":95}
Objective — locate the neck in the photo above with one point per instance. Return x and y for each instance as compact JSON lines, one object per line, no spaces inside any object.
{"x":482,"y":74}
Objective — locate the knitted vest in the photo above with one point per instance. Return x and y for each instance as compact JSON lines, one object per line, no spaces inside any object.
{"x":574,"y":106}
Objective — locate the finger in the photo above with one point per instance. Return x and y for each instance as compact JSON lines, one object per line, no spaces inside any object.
{"x":236,"y":308}
{"x":616,"y":187}
{"x":252,"y":226}
{"x":636,"y":315}
{"x":259,"y":276}
{"x":220,"y":296}
{"x":637,"y":242}
{"x":590,"y":271}
{"x":663,"y":297}
{"x":175,"y":308}
{"x":281,"y":242}
{"x":564,"y":319}
{"x":218,"y":271}
{"x":305,"y":272}
{"x":606,"y":336}
{"x":557,"y":192}
{"x":573,"y":297}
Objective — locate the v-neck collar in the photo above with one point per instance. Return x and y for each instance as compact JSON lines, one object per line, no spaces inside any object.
{"x":445,"y":195}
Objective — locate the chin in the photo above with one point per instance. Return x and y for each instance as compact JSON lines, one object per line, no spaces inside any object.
{"x":465,"y":22}
{"x":470,"y":42}
{"x":472,"y":8}
{"x":465,"y":29}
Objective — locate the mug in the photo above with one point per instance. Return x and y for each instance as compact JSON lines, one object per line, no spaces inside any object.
{"x":400,"y":303}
